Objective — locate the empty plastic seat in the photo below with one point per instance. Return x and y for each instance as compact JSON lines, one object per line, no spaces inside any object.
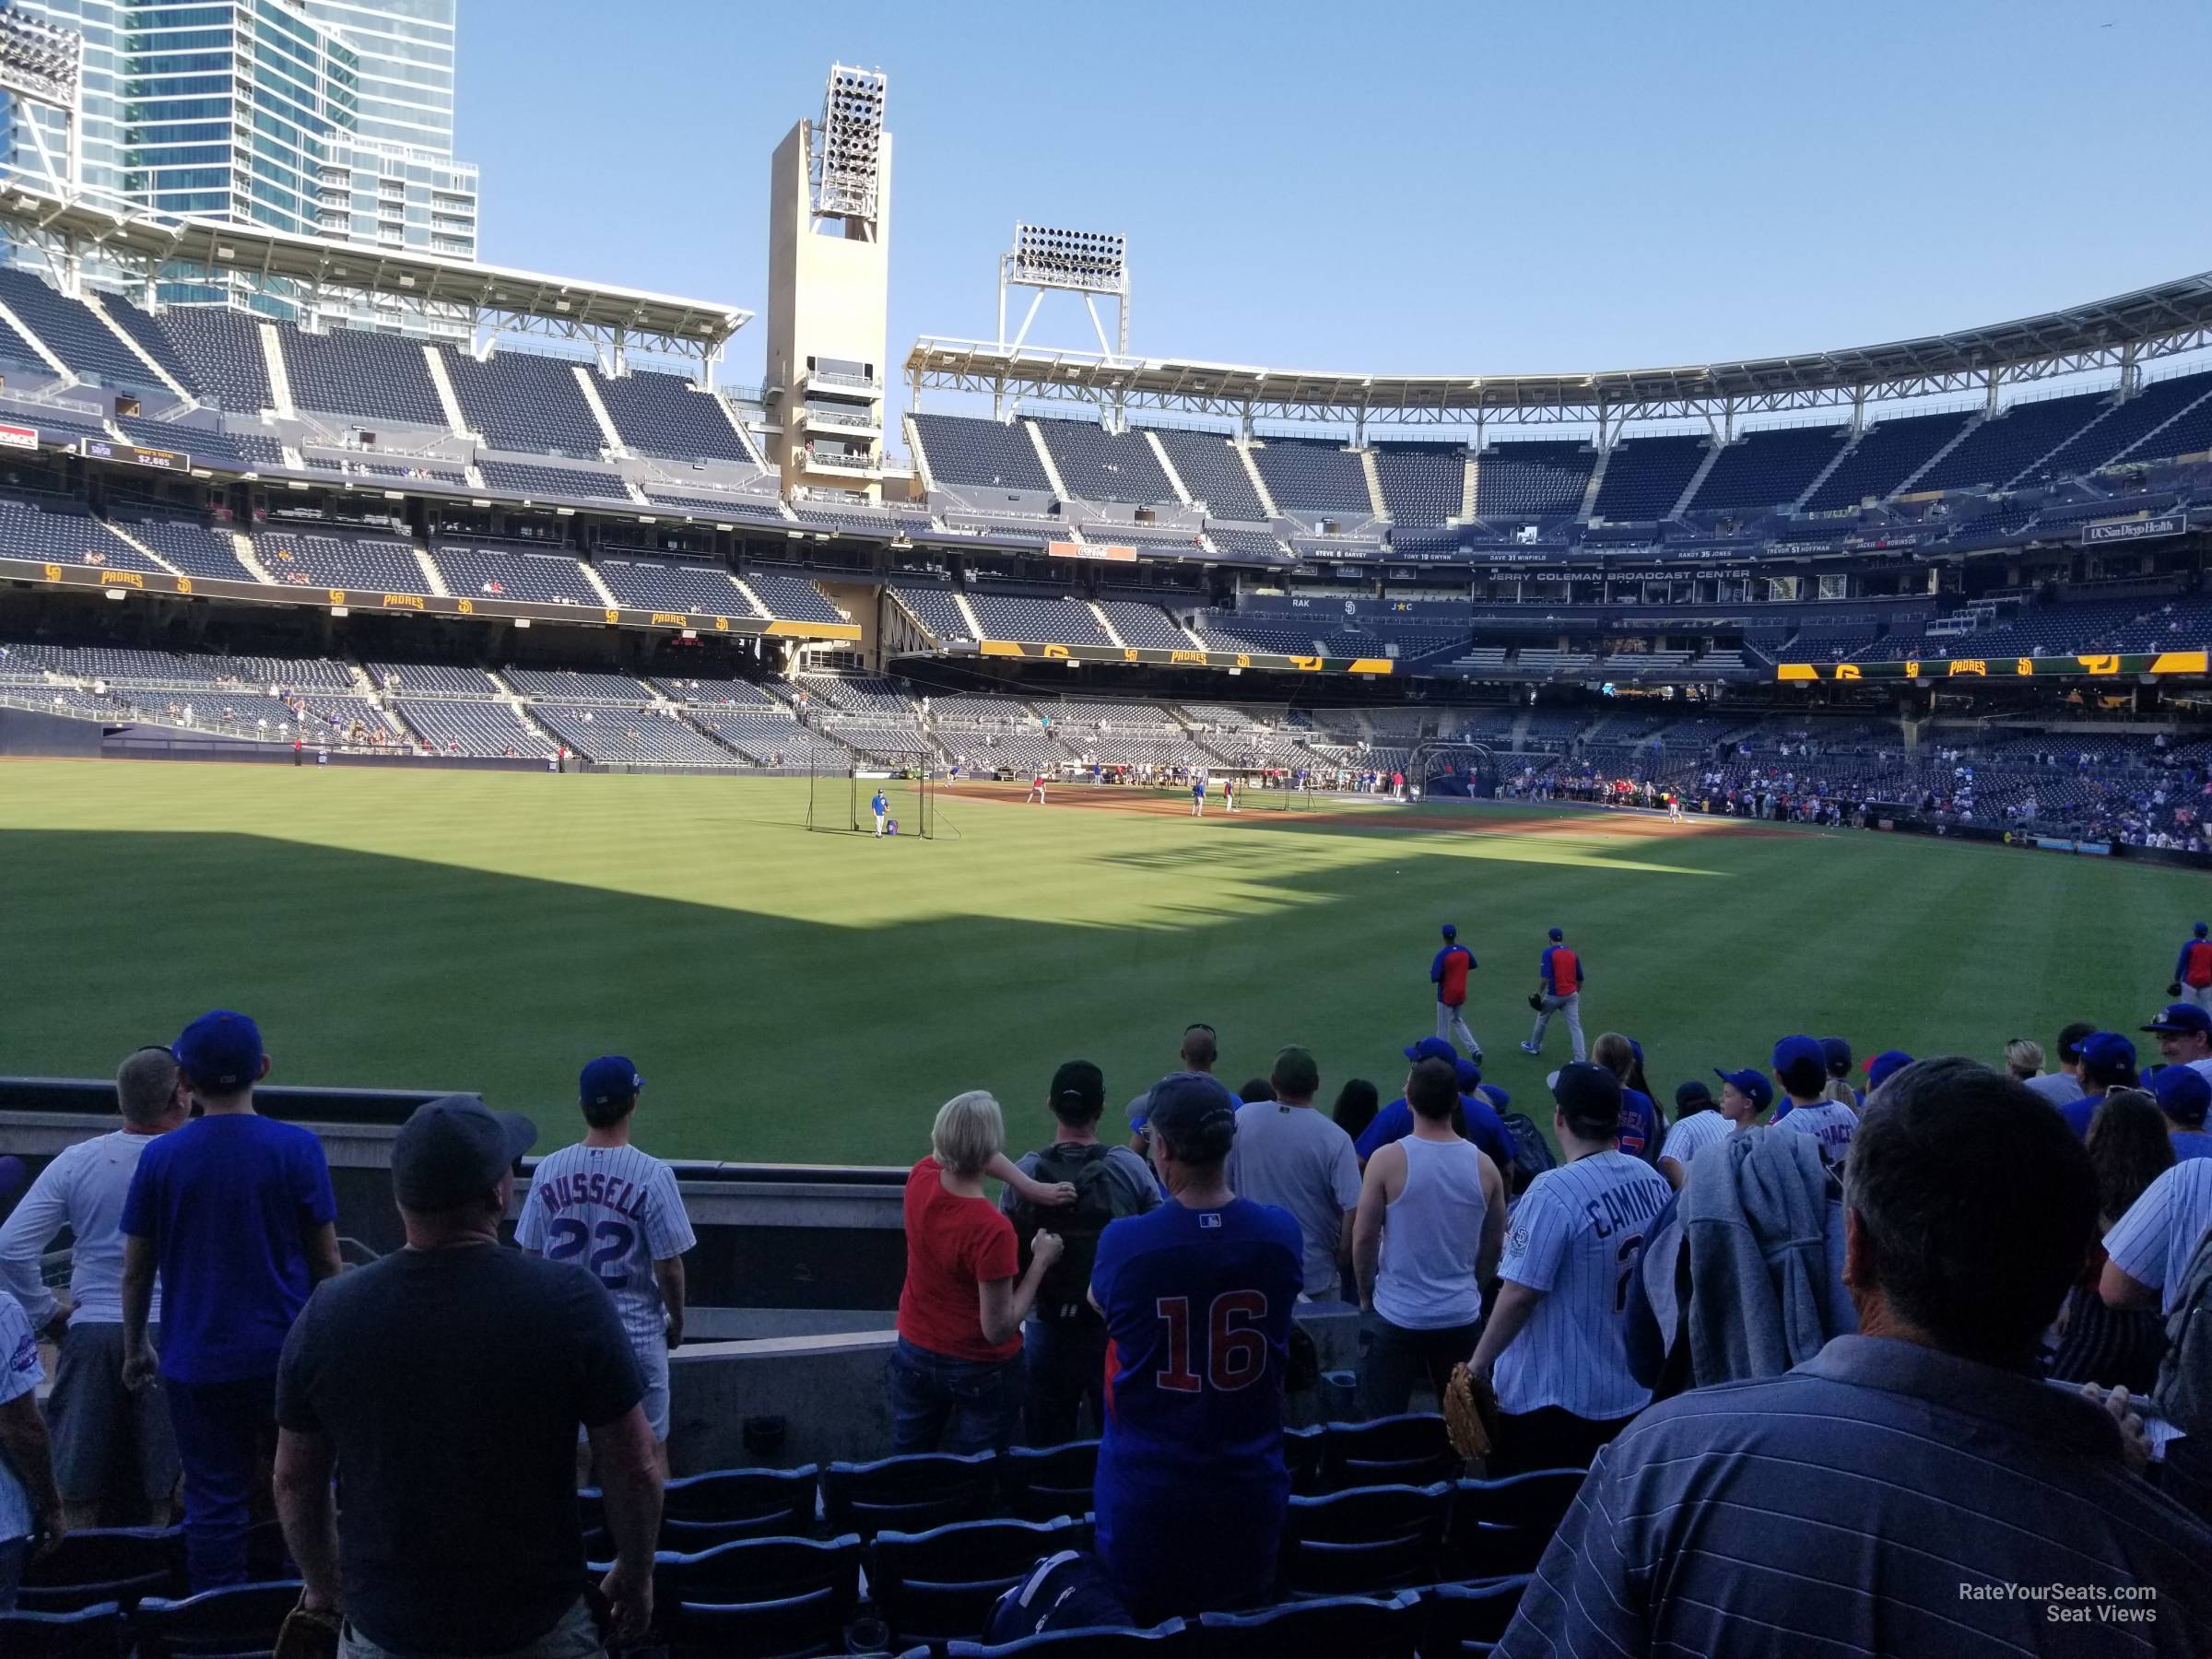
{"x":222,"y":350}
{"x":552,"y":483}
{"x":912,"y":1493}
{"x":239,"y":1619}
{"x":1164,"y":1640}
{"x":73,"y":332}
{"x":195,"y":548}
{"x":1213,"y":473}
{"x":1308,"y":475}
{"x":1423,"y":483}
{"x":1503,"y":1526}
{"x":1463,"y":1620}
{"x":124,"y":1565}
{"x":1645,"y":477}
{"x":510,"y":573}
{"x":662,"y":414}
{"x":1099,"y":466}
{"x":1411,"y":1449}
{"x":1367,"y":1538}
{"x":765,"y":1596}
{"x":791,"y":598}
{"x":963,"y":451}
{"x":940,"y":1584}
{"x":1532,"y":478}
{"x":770,"y":1501}
{"x":1373,"y":1627}
{"x":1888,"y":454}
{"x":1045,"y":1481}
{"x":518,"y":400}
{"x":672,"y":586}
{"x":368,"y":376}
{"x":94,"y":1632}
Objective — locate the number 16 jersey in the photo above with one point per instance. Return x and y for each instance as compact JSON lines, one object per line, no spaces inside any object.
{"x":616,"y":1211}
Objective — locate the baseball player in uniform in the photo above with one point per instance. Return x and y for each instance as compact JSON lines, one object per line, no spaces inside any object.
{"x":1449,"y":972}
{"x":616,"y":1211}
{"x":1198,"y":794}
{"x":1673,"y":807}
{"x":1556,"y":1346}
{"x":1036,"y":791}
{"x":881,"y":808}
{"x":1560,"y":975}
{"x":1801,"y":1067}
{"x":2193,"y":970}
{"x":1228,"y":794}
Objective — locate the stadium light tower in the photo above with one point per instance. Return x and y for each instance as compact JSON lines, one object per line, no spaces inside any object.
{"x":829,"y":291}
{"x":40,"y":64}
{"x":1089,"y":263}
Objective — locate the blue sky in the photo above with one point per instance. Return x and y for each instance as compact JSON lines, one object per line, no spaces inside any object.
{"x":1405,"y":188}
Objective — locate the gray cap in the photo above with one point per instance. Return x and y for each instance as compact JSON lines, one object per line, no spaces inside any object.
{"x":454,"y":1149}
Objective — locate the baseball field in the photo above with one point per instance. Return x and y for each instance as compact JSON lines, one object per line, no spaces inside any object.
{"x":811,"y":997}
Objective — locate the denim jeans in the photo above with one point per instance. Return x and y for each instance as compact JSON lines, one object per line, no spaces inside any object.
{"x":575,"y":1637}
{"x":1066,"y":1365}
{"x":940,"y":1404}
{"x":225,"y":1439}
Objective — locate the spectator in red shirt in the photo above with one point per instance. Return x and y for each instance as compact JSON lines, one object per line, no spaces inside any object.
{"x":955,"y":1372}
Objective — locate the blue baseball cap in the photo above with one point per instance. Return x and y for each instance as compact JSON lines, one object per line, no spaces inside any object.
{"x":2202,"y":930}
{"x":607,"y":1079}
{"x":1196,"y":1114}
{"x":1794,"y":1052}
{"x":1885,"y":1065}
{"x":2182,"y":1094}
{"x":1752,"y":1083}
{"x":1470,"y":1075}
{"x":2107,"y":1052}
{"x":1451,"y":931}
{"x":1557,"y":936}
{"x":222,"y":1052}
{"x":1838,"y":1053}
{"x":1433,"y":1048}
{"x":2178,"y":1017}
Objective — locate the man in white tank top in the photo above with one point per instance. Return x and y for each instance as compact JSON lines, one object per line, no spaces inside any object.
{"x":1427,"y":1232}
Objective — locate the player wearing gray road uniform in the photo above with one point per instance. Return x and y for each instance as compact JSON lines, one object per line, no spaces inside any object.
{"x":616,"y":1211}
{"x":1556,"y":1346}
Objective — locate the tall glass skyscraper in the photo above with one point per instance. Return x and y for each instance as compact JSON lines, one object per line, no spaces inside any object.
{"x":323,"y":117}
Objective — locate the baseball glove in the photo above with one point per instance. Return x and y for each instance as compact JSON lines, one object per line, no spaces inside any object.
{"x":1535,"y":1001}
{"x":308,"y":1633}
{"x":2174,"y":989}
{"x":1470,"y":1407}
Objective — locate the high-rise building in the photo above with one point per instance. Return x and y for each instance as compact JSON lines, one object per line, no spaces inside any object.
{"x":321,"y":117}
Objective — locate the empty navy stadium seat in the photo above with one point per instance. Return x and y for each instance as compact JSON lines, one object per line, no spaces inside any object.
{"x":236,"y":1620}
{"x":1410,"y":1449}
{"x":105,"y":1564}
{"x":760,"y":1597}
{"x":771,"y":1501}
{"x":912,"y":1493}
{"x":94,"y":1632}
{"x":1461,"y":1619}
{"x":1368,"y":1538}
{"x":1373,"y":1627}
{"x":1503,"y":1526}
{"x":1045,"y":1481}
{"x":1303,"y":1449}
{"x":940,"y":1584}
{"x":1164,"y":1640}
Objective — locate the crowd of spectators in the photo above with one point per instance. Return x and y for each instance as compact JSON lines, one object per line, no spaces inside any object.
{"x":1808,"y":1340}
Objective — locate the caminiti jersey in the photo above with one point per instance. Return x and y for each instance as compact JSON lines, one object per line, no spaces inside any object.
{"x":614,"y":1210}
{"x":1576,"y":1235}
{"x":1831,"y":1123}
{"x":1191,"y":1481}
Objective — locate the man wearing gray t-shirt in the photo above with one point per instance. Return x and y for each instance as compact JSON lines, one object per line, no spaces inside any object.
{"x":2065,"y":1086}
{"x":1288,"y":1155}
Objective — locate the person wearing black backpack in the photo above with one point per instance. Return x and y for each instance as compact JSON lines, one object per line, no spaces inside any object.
{"x":1065,"y":1341}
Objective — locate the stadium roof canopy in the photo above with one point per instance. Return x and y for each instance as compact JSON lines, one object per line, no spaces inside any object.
{"x":2121,"y":333}
{"x":101,"y":229}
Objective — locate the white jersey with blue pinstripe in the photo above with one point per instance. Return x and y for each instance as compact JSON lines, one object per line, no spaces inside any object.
{"x":1576,"y":1236}
{"x":614,"y":1210}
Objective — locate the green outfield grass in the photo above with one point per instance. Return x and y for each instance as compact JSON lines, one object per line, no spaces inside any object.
{"x":811,"y":997}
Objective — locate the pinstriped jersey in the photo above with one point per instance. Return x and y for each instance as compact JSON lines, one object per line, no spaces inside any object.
{"x":1576,"y":1235}
{"x":616,"y":1211}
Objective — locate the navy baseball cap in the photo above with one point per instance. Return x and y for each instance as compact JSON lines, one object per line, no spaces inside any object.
{"x":1838,"y":1053}
{"x":220,"y":1051}
{"x":1752,"y":1083}
{"x":2182,"y":1094}
{"x":1793,"y":1052}
{"x":2107,"y":1052}
{"x":452,"y":1149}
{"x":1470,"y":1075}
{"x":2202,"y":930}
{"x":1081,"y":1084}
{"x":1885,"y":1065}
{"x":1433,"y":1048}
{"x":1196,"y":1114}
{"x":1690,"y":1091}
{"x":607,"y":1079}
{"x":1588,"y":1097}
{"x":1557,"y":936}
{"x":1451,"y":931}
{"x":2178,"y":1017}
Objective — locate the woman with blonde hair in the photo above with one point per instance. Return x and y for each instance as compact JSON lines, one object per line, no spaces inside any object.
{"x":955,"y":1372}
{"x":1638,"y":1112}
{"x":2024,"y":1058}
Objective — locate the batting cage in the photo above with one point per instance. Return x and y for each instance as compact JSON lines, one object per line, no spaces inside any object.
{"x":840,"y":799}
{"x":1454,"y":768}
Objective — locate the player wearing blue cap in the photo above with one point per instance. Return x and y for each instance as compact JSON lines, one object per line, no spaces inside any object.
{"x":605,"y":1204}
{"x":1801,"y":1067}
{"x":1197,"y":1297}
{"x":1448,"y":973}
{"x":2192,"y":968}
{"x":1560,"y":975}
{"x":881,"y":808}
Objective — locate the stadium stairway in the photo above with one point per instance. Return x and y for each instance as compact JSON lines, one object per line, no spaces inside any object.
{"x":751,"y":598}
{"x":1957,"y":438}
{"x":1697,"y":479}
{"x":975,"y":624}
{"x":1106,"y":625}
{"x":126,"y":536}
{"x":1044,"y":459}
{"x":1819,"y":478}
{"x":1597,"y":482}
{"x":242,"y":545}
{"x":1466,"y":491}
{"x":45,"y":352}
{"x":280,"y":379}
{"x":432,"y":577}
{"x":1372,"y":473}
{"x":1259,"y":485}
{"x":597,"y":405}
{"x":598,"y":583}
{"x":447,"y":400}
{"x":1167,"y":465}
{"x":91,"y":303}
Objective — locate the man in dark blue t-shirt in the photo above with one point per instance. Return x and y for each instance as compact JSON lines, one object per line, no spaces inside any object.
{"x":1197,"y":1297}
{"x":1480,"y":1105}
{"x":236,"y":1213}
